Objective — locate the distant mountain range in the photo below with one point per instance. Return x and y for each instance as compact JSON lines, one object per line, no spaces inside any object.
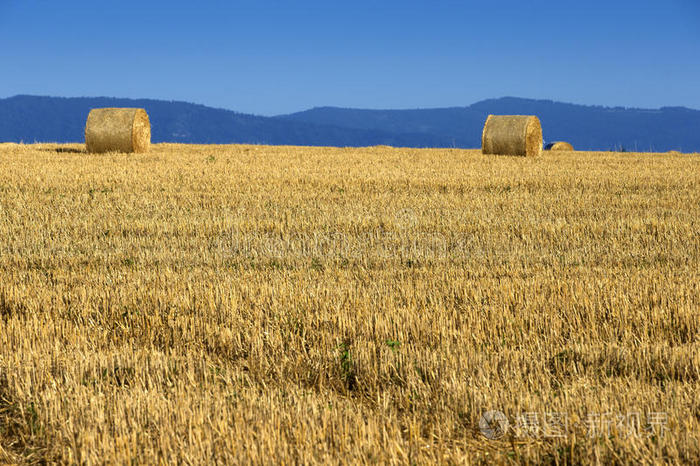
{"x":58,"y":119}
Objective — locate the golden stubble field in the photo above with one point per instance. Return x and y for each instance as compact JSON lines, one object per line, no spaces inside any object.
{"x":281,"y":305}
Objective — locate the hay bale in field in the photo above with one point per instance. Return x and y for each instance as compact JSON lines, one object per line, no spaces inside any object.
{"x":512,"y":135}
{"x":117,"y":129}
{"x":559,"y":145}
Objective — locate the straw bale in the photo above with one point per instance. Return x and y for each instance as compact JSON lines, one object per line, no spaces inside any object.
{"x":118,"y":130}
{"x":559,"y":145}
{"x":512,"y":135}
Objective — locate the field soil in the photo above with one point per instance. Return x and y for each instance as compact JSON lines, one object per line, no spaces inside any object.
{"x":283,"y":305}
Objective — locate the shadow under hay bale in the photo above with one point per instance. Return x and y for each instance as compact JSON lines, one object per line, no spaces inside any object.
{"x":559,"y":145}
{"x":118,"y":130}
{"x":512,"y":135}
{"x":64,"y":150}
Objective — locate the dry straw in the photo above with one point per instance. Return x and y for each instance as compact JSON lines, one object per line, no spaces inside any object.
{"x":118,"y":130}
{"x":512,"y":135}
{"x":560,"y":145}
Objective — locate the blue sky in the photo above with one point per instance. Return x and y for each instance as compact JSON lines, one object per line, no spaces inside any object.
{"x":272,"y":57}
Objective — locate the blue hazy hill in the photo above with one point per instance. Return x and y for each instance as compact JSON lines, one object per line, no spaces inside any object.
{"x":586,"y":127}
{"x":57,"y":119}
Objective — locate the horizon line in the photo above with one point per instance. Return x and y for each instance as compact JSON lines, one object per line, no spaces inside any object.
{"x":356,"y":108}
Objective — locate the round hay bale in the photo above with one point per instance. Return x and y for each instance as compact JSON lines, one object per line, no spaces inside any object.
{"x":117,"y":129}
{"x":559,"y":145}
{"x":512,"y":135}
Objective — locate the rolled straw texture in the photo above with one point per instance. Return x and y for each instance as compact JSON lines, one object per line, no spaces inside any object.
{"x":560,"y":145}
{"x":118,"y":130}
{"x":512,"y":135}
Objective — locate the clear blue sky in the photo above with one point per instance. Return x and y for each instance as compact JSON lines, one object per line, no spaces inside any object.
{"x":270,"y":57}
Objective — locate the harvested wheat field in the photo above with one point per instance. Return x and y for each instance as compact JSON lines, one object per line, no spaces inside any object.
{"x":236,"y":304}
